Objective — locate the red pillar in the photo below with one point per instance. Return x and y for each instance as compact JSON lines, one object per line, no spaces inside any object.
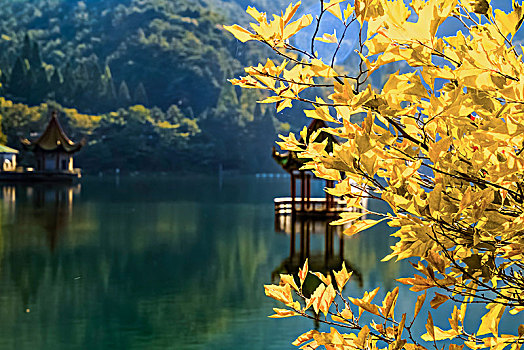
{"x":302,"y":190}
{"x":329,"y":197}
{"x":293,"y":193}
{"x":308,"y":191}
{"x":292,"y":238}
{"x":341,"y":246}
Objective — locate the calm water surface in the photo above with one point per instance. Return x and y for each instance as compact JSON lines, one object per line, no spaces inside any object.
{"x":157,"y":263}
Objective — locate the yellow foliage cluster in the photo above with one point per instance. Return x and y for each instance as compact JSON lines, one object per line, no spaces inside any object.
{"x":442,"y":144}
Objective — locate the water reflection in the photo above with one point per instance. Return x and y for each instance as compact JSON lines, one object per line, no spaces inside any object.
{"x":325,"y":258}
{"x":40,"y":214}
{"x":49,"y":206}
{"x":173,"y":263}
{"x":146,"y":265}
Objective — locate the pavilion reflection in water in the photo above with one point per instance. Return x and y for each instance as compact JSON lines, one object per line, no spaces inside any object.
{"x":48,"y":205}
{"x":41,"y":214}
{"x":326,"y":259}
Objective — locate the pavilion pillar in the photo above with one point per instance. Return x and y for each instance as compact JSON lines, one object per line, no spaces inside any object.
{"x":329,"y":198}
{"x":292,"y":238}
{"x":326,"y":244}
{"x":308,"y":191}
{"x":308,"y":237}
{"x":341,"y":246}
{"x":302,"y":190}
{"x":293,"y":193}
{"x":302,"y":240}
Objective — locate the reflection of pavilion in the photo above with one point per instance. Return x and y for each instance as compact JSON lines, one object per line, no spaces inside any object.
{"x":322,"y":261}
{"x":40,"y":214}
{"x":50,"y":206}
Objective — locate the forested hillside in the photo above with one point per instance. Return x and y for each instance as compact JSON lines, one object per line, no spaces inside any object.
{"x":147,"y":77}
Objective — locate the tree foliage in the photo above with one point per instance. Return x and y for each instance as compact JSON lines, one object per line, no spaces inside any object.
{"x":99,"y":56}
{"x":131,"y":139}
{"x":440,"y":143}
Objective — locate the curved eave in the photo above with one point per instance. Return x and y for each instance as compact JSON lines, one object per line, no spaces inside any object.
{"x":7,"y":150}
{"x":35,"y":147}
{"x":288,"y":161}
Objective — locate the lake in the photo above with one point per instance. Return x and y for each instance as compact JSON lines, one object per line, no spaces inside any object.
{"x":160,"y":263}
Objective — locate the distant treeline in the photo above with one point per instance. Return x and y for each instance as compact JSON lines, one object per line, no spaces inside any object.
{"x":153,"y":72}
{"x":142,"y":139}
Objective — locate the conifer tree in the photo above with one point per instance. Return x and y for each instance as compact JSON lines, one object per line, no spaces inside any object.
{"x":140,"y":95}
{"x":124,"y":98}
{"x":55,"y":86}
{"x":17,"y":78}
{"x":35,"y":58}
{"x":27,"y":49}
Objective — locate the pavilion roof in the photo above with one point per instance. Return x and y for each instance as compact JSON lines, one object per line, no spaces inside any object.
{"x":53,"y":139}
{"x":290,"y":162}
{"x":5,"y":149}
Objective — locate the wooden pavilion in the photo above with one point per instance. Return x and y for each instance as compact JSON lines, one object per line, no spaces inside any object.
{"x":292,"y":164}
{"x":53,"y":150}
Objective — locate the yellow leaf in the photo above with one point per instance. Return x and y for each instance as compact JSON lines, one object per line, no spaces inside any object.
{"x":279,"y":293}
{"x":325,"y":279}
{"x":388,"y":304}
{"x":327,"y":299}
{"x":516,"y":310}
{"x":333,"y":7}
{"x":321,"y":112}
{"x":288,"y":279}
{"x":304,"y":338}
{"x":283,"y":104}
{"x":302,"y":273}
{"x":361,"y":225}
{"x":258,"y":16}
{"x":347,"y":217}
{"x":509,"y":23}
{"x":397,"y":12}
{"x":290,"y":12}
{"x":290,"y":143}
{"x":240,"y":33}
{"x":438,"y":148}
{"x":295,"y":26}
{"x":345,"y":315}
{"x":321,"y":69}
{"x":438,"y":300}
{"x":329,"y":38}
{"x":435,"y":333}
{"x":348,"y":11}
{"x":342,"y":277}
{"x":282,"y":313}
{"x":420,"y":301}
{"x":430,"y":327}
{"x":490,"y":321}
{"x":365,"y":302}
{"x":361,"y":340}
{"x":401,"y":327}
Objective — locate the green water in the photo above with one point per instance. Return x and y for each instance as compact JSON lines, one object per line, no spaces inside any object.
{"x":162,"y":263}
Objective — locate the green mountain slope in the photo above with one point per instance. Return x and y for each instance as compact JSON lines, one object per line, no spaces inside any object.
{"x":101,"y":55}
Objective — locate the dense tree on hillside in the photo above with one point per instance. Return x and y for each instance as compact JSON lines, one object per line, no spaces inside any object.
{"x":99,"y":56}
{"x":131,"y":139}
